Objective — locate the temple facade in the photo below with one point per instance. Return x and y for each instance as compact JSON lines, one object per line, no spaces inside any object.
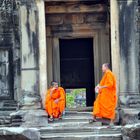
{"x":68,"y":41}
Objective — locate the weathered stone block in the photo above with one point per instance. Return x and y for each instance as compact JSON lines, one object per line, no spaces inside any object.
{"x":98,"y":17}
{"x":6,"y":40}
{"x":54,"y":19}
{"x":73,"y":18}
{"x":30,"y":100}
{"x":19,"y":134}
{"x":131,"y":132}
{"x":129,"y":115}
{"x":30,"y":81}
{"x":30,"y":118}
{"x":130,"y":101}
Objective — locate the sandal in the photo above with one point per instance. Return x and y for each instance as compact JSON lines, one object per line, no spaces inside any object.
{"x":60,"y":117}
{"x":92,"y":120}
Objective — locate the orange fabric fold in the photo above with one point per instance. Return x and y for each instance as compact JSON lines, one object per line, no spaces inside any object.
{"x":106,"y":101}
{"x":52,"y":108}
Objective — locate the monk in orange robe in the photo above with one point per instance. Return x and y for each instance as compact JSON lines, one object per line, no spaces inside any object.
{"x":55,"y":101}
{"x":106,"y":101}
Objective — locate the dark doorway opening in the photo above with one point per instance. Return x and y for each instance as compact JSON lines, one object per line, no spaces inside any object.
{"x":77,"y":66}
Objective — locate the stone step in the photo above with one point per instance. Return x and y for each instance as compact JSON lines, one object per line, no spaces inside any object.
{"x":8,"y":108}
{"x":78,"y":118}
{"x":93,"y":129}
{"x":15,"y":124}
{"x":81,"y":109}
{"x":76,"y":113}
{"x":78,"y":122}
{"x":73,"y":119}
{"x":73,"y":124}
{"x":83,"y":136}
{"x":8,"y":105}
{"x":5,"y":113}
{"x":86,"y":115}
{"x":79,"y":133}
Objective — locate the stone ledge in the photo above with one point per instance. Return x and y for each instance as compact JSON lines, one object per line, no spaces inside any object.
{"x":18,"y":133}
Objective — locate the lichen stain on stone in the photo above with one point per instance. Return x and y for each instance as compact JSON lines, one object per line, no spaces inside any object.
{"x":36,"y":49}
{"x":24,"y":59}
{"x":32,"y":31}
{"x":28,"y":30}
{"x":32,"y":20}
{"x":128,"y":42}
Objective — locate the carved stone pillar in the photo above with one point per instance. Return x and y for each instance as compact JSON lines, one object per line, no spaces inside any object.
{"x":129,"y":61}
{"x":42,"y":50}
{"x":29,"y":54}
{"x":115,"y":46}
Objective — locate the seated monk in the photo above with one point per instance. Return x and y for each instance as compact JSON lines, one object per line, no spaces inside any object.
{"x":55,"y":101}
{"x":106,"y":101}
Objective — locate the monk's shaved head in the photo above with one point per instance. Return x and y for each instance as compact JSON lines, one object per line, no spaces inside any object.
{"x":53,"y":83}
{"x":105,"y":67}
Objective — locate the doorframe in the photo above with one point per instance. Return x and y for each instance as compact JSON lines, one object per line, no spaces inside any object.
{"x":53,"y":51}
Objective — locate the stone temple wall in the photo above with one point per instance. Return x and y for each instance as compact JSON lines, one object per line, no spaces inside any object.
{"x":19,"y":46}
{"x":19,"y":35}
{"x":10,"y":50}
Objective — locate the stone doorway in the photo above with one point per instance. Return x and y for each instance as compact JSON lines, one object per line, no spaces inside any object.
{"x":76,"y":66}
{"x":89,"y":21}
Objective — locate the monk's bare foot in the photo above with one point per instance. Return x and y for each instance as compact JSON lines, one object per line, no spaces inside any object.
{"x":111,"y":124}
{"x":50,"y":119}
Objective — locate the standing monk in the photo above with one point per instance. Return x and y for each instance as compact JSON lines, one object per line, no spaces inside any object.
{"x":55,"y":101}
{"x":106,"y":101}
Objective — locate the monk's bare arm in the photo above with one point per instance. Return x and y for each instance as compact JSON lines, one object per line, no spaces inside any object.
{"x":51,"y":91}
{"x":62,"y":95}
{"x":103,"y":86}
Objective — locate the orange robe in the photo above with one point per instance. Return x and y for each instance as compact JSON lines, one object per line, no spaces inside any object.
{"x":52,"y":108}
{"x":106,"y":101}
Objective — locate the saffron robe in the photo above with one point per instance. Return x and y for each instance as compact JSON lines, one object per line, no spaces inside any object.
{"x":52,"y":108}
{"x":106,"y":101}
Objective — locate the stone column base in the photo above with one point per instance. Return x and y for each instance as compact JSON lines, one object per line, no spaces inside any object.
{"x":30,"y":101}
{"x":129,"y":115}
